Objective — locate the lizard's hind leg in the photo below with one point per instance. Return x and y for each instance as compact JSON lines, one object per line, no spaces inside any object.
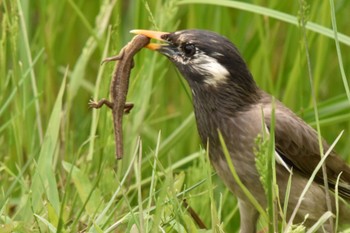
{"x":100,"y":103}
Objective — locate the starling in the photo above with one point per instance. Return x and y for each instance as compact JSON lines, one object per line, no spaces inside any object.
{"x":226,"y":99}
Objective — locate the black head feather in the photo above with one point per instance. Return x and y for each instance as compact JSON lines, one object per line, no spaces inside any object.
{"x":211,"y":63}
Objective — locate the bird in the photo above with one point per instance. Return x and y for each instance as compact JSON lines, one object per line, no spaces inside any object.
{"x":227,"y":102}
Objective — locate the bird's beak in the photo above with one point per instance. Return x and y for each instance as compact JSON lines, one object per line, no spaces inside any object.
{"x":167,"y":48}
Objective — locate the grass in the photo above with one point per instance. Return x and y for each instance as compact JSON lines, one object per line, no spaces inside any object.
{"x":57,"y":167}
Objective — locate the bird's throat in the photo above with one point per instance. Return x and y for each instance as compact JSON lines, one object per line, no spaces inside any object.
{"x":225,"y":99}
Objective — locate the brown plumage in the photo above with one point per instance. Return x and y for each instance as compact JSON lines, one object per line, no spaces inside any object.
{"x":226,"y":98}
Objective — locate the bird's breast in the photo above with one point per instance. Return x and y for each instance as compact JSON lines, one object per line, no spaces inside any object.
{"x":239,"y":131}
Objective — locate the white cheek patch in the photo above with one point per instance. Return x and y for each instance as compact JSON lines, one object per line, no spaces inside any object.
{"x":213,"y":72}
{"x":215,"y":54}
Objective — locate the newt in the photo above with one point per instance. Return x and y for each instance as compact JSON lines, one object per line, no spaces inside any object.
{"x":119,"y":88}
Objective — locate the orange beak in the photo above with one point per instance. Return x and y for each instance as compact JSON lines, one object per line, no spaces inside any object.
{"x":153,"y":35}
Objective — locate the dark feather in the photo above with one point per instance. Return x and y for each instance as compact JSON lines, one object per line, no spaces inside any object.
{"x":298,"y":144}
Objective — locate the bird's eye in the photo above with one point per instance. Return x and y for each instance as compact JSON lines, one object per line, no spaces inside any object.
{"x":189,"y":49}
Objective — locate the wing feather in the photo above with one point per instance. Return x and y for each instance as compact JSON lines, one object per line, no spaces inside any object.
{"x":297,"y":143}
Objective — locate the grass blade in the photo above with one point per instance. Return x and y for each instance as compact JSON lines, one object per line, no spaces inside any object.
{"x":260,"y":10}
{"x":44,"y":178}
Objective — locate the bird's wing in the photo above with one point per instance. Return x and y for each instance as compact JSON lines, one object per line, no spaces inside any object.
{"x":297,"y":143}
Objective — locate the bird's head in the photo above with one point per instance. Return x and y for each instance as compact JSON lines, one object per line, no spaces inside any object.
{"x":207,"y":60}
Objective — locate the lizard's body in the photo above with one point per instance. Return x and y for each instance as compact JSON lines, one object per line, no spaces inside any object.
{"x":119,"y":87}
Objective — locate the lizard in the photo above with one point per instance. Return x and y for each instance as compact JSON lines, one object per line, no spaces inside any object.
{"x":119,"y":88}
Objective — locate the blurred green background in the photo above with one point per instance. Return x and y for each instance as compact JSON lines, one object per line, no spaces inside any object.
{"x":58,"y":171}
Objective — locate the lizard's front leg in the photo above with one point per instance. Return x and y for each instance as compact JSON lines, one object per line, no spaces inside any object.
{"x":114,"y":58}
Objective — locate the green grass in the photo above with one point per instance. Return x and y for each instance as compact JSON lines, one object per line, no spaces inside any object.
{"x":58,"y":172}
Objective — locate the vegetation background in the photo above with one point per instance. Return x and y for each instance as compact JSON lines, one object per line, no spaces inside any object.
{"x":58,"y":172}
